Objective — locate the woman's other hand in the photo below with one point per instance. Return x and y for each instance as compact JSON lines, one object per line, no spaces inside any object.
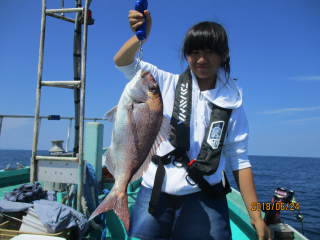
{"x":263,"y":231}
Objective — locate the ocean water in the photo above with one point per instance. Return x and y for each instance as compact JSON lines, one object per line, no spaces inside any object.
{"x":299,"y":174}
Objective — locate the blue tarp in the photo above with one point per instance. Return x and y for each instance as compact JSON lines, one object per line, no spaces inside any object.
{"x":57,"y":216}
{"x":8,"y":206}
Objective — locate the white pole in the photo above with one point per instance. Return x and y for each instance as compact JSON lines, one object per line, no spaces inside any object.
{"x":68,"y":134}
{"x":39,"y":127}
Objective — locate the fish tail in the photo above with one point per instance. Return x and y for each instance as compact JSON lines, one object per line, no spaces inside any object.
{"x":118,"y":202}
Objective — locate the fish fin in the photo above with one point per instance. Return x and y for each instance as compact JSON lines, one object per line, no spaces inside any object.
{"x":118,"y":201}
{"x":163,"y":134}
{"x":164,"y":131}
{"x":111,"y":114}
{"x":144,"y":166}
{"x":166,"y":127}
{"x":107,"y":161}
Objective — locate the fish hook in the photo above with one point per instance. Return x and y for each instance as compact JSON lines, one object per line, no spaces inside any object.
{"x":140,"y":56}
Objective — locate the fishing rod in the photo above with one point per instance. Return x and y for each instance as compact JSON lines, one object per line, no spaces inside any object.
{"x":283,"y":199}
{"x":141,"y":31}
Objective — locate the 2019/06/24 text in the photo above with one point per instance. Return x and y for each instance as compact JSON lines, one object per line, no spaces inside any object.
{"x":256,"y":206}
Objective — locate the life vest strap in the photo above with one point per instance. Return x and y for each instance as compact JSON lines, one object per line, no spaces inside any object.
{"x":203,"y":184}
{"x":158,"y":180}
{"x":193,"y":174}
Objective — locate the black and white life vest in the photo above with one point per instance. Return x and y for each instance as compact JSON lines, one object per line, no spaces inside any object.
{"x":208,"y":159}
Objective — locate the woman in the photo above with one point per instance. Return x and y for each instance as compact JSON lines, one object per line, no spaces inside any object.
{"x":184,"y":209}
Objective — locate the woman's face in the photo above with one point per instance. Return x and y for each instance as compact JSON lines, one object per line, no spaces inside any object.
{"x":204,"y":64}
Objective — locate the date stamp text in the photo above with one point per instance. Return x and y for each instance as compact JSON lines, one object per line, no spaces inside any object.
{"x":257,"y":206}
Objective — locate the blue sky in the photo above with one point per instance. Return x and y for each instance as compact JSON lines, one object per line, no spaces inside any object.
{"x":274,"y":50}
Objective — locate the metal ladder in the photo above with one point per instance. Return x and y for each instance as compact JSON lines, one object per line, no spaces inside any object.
{"x":61,"y":168}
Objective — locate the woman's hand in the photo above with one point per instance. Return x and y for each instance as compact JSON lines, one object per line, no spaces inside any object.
{"x":262,"y":230}
{"x":127,"y":53}
{"x":244,"y":180}
{"x":136,"y":20}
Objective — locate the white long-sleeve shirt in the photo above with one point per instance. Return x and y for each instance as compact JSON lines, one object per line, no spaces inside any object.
{"x":225,"y":95}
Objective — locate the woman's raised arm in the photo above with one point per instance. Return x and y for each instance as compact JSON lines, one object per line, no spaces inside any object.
{"x":129,"y":50}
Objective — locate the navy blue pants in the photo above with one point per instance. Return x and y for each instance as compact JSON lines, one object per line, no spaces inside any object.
{"x":192,"y":216}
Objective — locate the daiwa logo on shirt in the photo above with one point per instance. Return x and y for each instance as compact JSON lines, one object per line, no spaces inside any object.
{"x":183,"y":103}
{"x":215,"y":133}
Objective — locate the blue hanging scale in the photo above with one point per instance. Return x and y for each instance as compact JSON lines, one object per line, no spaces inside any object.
{"x":141,"y":31}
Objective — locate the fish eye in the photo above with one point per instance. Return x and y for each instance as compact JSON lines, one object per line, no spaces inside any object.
{"x":153,"y":88}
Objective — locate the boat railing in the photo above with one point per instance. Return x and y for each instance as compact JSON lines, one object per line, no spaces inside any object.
{"x":49,"y":117}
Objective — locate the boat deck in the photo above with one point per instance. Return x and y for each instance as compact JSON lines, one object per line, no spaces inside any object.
{"x":114,"y":226}
{"x":239,"y":219}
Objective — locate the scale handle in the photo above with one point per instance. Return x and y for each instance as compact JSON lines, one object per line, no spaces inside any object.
{"x":141,"y":31}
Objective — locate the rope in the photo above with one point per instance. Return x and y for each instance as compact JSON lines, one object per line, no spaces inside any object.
{"x":91,"y":181}
{"x":91,"y":200}
{"x":87,"y":214}
{"x":73,"y":191}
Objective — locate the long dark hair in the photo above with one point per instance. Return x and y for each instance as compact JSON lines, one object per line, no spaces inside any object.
{"x":207,"y":35}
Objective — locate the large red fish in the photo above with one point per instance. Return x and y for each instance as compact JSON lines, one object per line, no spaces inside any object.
{"x":138,"y":130}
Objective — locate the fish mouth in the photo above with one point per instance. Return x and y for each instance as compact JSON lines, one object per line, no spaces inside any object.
{"x":142,"y":87}
{"x":149,"y":81}
{"x":144,"y":74}
{"x":148,"y":76}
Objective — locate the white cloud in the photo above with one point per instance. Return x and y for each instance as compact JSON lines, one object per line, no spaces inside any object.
{"x":292,"y":110}
{"x":12,"y":123}
{"x":306,"y":78}
{"x":305,"y":120}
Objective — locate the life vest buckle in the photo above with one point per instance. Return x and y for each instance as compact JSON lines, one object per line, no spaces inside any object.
{"x":192,"y":183}
{"x":177,"y":163}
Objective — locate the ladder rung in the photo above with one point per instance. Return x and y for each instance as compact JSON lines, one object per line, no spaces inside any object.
{"x":63,"y":84}
{"x":61,"y":17}
{"x":52,"y":158}
{"x":65,"y":10}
